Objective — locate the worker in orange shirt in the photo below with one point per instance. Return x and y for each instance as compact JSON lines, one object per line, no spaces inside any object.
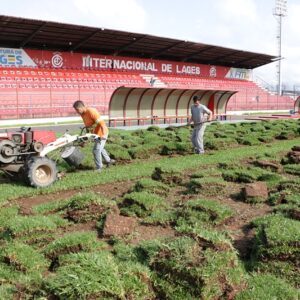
{"x":91,"y":118}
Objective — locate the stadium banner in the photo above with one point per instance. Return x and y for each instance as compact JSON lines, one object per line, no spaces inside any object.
{"x":15,"y":58}
{"x":68,"y":60}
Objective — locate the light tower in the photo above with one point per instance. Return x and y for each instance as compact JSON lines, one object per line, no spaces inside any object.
{"x":279,"y":12}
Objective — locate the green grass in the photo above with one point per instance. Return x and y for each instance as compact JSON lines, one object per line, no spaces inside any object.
{"x":181,"y":262}
{"x":272,"y":179}
{"x":243,"y":174}
{"x":292,"y":185}
{"x":141,"y":204}
{"x":22,"y":257}
{"x":204,"y":235}
{"x":8,"y":274}
{"x":144,"y":151}
{"x":125,"y":252}
{"x":100,"y":276}
{"x":268,"y":287}
{"x":84,"y":207}
{"x":289,"y":233}
{"x":249,"y":140}
{"x":38,"y":239}
{"x":83,"y":200}
{"x":210,"y":186}
{"x":24,"y":225}
{"x":6,"y":214}
{"x":211,"y":143}
{"x":8,"y":291}
{"x":221,"y":265}
{"x":51,"y":207}
{"x":72,"y":243}
{"x":117,"y":152}
{"x":266,"y":138}
{"x":284,"y":197}
{"x":84,"y":179}
{"x":292,"y":169}
{"x":289,"y":210}
{"x":281,"y":269}
{"x":160,"y":217}
{"x":208,"y":172}
{"x":136,"y":280}
{"x":86,"y":275}
{"x":174,"y":147}
{"x":168,"y":175}
{"x":217,"y":212}
{"x":200,"y":262}
{"x":151,"y":186}
{"x":274,"y":243}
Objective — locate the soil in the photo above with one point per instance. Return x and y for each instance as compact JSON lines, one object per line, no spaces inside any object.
{"x":274,"y":166}
{"x":111,"y":191}
{"x":116,"y":225}
{"x":144,"y":233}
{"x":238,"y":226}
{"x":254,"y":190}
{"x":92,"y":212}
{"x":79,"y":227}
{"x":294,"y":157}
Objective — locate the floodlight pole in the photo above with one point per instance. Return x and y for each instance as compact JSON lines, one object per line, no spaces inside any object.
{"x":279,"y":12}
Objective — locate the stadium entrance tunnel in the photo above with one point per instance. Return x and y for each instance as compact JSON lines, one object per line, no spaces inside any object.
{"x":145,"y":106}
{"x":297,"y":105}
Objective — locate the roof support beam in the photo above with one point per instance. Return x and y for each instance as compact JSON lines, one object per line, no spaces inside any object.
{"x":167,"y":48}
{"x":236,"y":63}
{"x":84,"y":40}
{"x":197,"y":52}
{"x":247,"y":59}
{"x":23,"y":43}
{"x":124,"y":47}
{"x":226,"y":55}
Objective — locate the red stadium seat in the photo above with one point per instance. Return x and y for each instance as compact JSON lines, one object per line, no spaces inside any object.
{"x":60,"y":87}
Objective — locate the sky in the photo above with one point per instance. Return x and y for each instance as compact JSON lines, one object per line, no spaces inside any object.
{"x":240,"y":24}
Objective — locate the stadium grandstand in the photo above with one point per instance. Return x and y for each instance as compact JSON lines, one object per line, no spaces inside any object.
{"x":130,"y":77}
{"x":297,"y":105}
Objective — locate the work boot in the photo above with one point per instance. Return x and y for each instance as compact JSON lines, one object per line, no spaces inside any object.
{"x":111,"y":162}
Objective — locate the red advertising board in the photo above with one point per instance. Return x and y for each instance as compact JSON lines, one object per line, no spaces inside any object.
{"x":69,"y":60}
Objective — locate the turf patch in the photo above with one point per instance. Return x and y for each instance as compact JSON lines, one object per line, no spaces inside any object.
{"x":24,"y":225}
{"x":242,"y":174}
{"x":22,"y":257}
{"x":87,"y":207}
{"x":289,"y":210}
{"x":167,"y":176}
{"x":141,"y":204}
{"x":217,"y":212}
{"x":268,"y":287}
{"x":271,"y":243}
{"x":99,"y":276}
{"x":86,"y":275}
{"x":151,"y":186}
{"x":72,"y":243}
{"x":184,"y":268}
{"x":210,"y":186}
{"x":292,"y":169}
